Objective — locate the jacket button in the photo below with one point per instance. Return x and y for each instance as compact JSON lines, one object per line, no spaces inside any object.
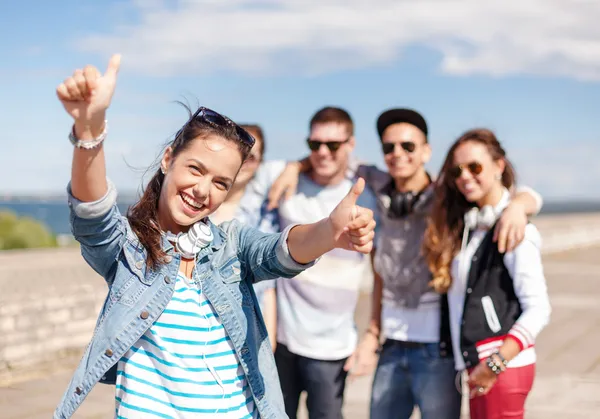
{"x":443,"y":353}
{"x":167,"y":280}
{"x":168,"y":258}
{"x":469,"y":290}
{"x":474,"y":258}
{"x":139,"y":264}
{"x":245,"y":350}
{"x":465,"y":353}
{"x":144,"y":315}
{"x":78,"y":390}
{"x":468,"y":363}
{"x":108,"y":353}
{"x":442,"y":344}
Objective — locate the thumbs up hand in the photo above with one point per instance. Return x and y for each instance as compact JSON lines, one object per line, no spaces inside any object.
{"x":87,"y":94}
{"x":353,"y":226}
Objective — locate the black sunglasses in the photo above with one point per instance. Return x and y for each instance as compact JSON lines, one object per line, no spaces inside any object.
{"x":333,"y":146}
{"x":474,"y":167}
{"x":217,"y":120}
{"x":408,"y":146}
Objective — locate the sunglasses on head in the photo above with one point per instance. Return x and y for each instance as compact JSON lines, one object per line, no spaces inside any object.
{"x":474,"y":168}
{"x":333,"y":146}
{"x":407,"y":146}
{"x":217,"y":120}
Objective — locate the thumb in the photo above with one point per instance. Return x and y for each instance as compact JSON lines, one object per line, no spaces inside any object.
{"x":355,"y":192}
{"x":113,"y":67}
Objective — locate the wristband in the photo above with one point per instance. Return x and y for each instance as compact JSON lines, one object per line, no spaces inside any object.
{"x":495,"y":366}
{"x":499,"y":355}
{"x":88,"y":144}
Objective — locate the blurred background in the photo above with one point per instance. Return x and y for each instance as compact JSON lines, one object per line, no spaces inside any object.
{"x":528,"y":70}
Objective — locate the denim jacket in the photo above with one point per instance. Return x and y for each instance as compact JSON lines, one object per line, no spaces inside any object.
{"x":137,"y":295}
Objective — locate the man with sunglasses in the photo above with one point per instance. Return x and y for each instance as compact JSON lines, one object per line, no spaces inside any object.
{"x":316,"y":333}
{"x":414,"y":367}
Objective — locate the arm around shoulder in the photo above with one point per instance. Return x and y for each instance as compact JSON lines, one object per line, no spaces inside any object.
{"x":531,"y":200}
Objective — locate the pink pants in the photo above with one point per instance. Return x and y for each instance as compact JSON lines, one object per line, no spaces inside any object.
{"x":507,"y":398}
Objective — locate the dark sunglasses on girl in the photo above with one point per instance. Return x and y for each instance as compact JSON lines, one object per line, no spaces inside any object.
{"x":407,"y":146}
{"x":333,"y":146}
{"x":474,"y":168}
{"x":217,"y":120}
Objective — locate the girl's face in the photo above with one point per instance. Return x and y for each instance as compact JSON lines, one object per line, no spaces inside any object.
{"x":475,"y":173}
{"x":251,"y":164}
{"x":196,"y":181}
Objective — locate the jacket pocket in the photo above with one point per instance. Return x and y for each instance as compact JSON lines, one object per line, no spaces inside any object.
{"x":490,"y":314}
{"x":231,"y":271}
{"x":230,"y":274}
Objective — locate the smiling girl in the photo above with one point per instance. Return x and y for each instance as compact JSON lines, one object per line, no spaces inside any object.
{"x":179,"y":333}
{"x":497,"y":302}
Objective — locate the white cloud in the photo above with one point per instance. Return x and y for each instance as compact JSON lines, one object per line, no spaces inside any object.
{"x":493,"y":37}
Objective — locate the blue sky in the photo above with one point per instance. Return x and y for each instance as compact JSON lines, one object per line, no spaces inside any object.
{"x":530,"y":72}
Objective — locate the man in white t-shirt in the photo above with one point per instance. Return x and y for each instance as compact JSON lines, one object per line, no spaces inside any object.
{"x":316,"y":333}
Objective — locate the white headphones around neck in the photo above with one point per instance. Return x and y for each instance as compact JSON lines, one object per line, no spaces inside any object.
{"x":188,"y":244}
{"x":483,"y":218}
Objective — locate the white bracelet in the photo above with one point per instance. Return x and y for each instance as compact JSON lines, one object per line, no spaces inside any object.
{"x":88,"y":144}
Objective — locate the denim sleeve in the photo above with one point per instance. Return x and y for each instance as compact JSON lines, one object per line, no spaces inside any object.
{"x":100,"y":229}
{"x":266,"y":256}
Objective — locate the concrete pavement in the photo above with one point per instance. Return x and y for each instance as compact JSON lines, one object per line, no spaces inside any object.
{"x":568,"y":376}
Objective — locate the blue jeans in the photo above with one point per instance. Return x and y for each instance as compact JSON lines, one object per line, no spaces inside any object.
{"x":410,"y":374}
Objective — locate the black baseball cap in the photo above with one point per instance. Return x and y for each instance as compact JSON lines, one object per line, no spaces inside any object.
{"x":398,"y":115}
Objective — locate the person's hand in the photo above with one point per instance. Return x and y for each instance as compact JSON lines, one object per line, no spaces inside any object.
{"x":481,"y":380}
{"x":353,"y":227}
{"x":510,"y":229}
{"x":87,"y":94}
{"x":364,"y":359}
{"x":285,"y":185}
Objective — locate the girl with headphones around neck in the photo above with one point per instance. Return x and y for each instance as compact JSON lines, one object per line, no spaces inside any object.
{"x":178,"y":333}
{"x":497,"y":302}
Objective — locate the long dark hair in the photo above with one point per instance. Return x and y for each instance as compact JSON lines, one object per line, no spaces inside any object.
{"x":143,"y":216}
{"x":444,"y":232}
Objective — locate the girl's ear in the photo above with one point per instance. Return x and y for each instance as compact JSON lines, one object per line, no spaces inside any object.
{"x":166,"y":160}
{"x":501,"y":165}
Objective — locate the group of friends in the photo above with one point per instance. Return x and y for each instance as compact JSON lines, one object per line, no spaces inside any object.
{"x":233,"y":281}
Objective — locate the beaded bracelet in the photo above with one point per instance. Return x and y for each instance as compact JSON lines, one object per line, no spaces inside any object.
{"x":499,"y":355}
{"x":88,"y":144}
{"x":494,"y":365}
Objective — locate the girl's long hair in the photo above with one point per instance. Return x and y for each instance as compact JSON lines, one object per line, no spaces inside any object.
{"x":443,"y":236}
{"x":143,"y":216}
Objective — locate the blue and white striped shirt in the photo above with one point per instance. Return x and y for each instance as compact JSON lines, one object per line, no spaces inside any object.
{"x":184,"y":365}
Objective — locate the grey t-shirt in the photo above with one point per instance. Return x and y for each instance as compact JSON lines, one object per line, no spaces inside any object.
{"x":410,"y":308}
